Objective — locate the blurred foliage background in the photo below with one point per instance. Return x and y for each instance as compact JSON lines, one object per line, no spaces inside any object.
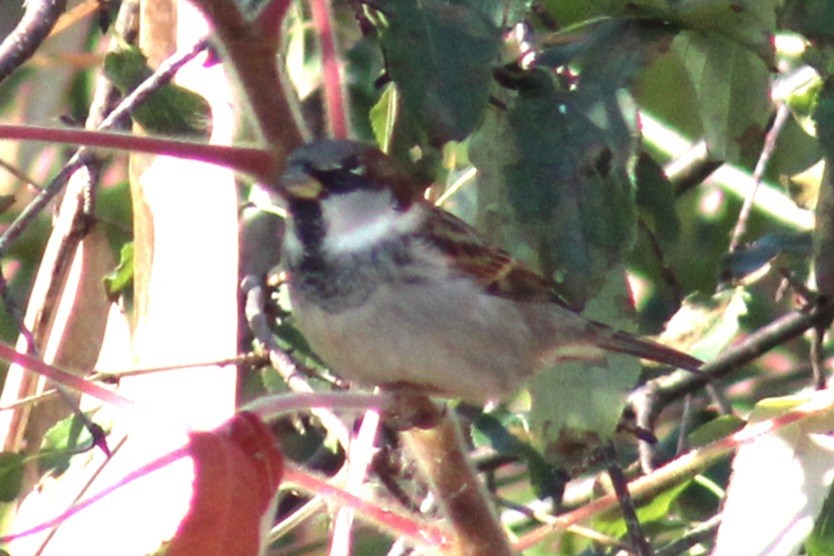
{"x":660,"y":160}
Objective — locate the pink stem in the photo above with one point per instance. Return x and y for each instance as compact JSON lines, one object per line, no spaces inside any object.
{"x":62,"y":377}
{"x":400,"y":524}
{"x":334,"y":96}
{"x":250,"y":160}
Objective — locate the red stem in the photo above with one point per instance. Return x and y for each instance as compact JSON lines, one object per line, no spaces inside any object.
{"x":249,"y":160}
{"x":334,"y":97}
{"x":423,"y":533}
{"x":33,"y":364}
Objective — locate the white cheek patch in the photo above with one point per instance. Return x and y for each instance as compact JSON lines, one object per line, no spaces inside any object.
{"x":359,"y":220}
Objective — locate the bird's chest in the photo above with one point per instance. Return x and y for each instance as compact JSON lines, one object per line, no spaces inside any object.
{"x":332,"y":288}
{"x":338,"y":283}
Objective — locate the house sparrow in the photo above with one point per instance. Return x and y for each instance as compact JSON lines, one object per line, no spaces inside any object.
{"x":391,"y":290}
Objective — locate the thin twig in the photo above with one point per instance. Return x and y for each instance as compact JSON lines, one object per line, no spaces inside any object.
{"x":80,"y":494}
{"x":816,"y":357}
{"x":82,"y":156}
{"x":685,"y":467}
{"x":704,"y":531}
{"x":779,"y":121}
{"x":255,"y":297}
{"x":639,"y":543}
{"x":360,"y":455}
{"x":664,"y":390}
{"x":35,"y":25}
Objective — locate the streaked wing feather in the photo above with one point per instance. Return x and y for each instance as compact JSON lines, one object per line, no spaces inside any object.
{"x":494,"y":269}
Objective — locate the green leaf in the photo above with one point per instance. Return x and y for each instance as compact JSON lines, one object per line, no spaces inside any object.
{"x":555,"y":168}
{"x":749,"y":23}
{"x":812,"y":18}
{"x":656,"y":199}
{"x":121,"y":279}
{"x":170,"y":110}
{"x":824,"y":231}
{"x":658,"y":508}
{"x":383,"y":116}
{"x":754,"y":256}
{"x":554,"y":173}
{"x":732,"y":86}
{"x":577,"y":402}
{"x":720,"y":427}
{"x":508,"y":434}
{"x":705,"y":325}
{"x":440,"y":55}
{"x":821,"y":540}
{"x":62,"y":441}
{"x":11,"y":475}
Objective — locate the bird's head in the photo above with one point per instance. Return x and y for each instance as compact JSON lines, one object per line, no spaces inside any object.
{"x":346,"y":196}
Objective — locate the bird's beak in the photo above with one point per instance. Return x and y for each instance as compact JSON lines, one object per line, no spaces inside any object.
{"x":297,"y":183}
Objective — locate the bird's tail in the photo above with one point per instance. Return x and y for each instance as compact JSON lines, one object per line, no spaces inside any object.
{"x":614,"y":340}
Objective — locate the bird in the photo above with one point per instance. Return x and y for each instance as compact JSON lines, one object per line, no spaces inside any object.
{"x":393,"y":291}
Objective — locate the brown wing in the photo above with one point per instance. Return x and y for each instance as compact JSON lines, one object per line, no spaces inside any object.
{"x":493,"y":268}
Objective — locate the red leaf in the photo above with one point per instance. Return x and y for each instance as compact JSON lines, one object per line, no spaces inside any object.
{"x":237,"y":470}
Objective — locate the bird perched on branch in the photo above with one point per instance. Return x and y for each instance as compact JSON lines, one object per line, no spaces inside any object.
{"x":391,"y":290}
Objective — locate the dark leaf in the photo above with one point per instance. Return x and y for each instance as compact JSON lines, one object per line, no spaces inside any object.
{"x":656,"y":199}
{"x":555,"y":167}
{"x":507,"y":435}
{"x":812,"y":18}
{"x":561,"y":172}
{"x":440,"y":55}
{"x":752,"y":257}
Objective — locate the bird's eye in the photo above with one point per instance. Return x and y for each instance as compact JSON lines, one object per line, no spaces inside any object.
{"x":354,"y":165}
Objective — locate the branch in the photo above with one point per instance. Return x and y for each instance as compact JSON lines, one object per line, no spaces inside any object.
{"x":35,"y":25}
{"x":439,"y":454}
{"x":686,"y":466}
{"x":251,"y":51}
{"x":662,"y":391}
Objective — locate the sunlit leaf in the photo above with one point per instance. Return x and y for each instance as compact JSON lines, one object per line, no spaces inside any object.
{"x":121,"y":279}
{"x":170,"y":110}
{"x":732,"y":85}
{"x":705,"y":325}
{"x":11,"y":475}
{"x":577,"y":402}
{"x":383,"y":115}
{"x":779,"y":483}
{"x":62,"y":441}
{"x":719,"y":427}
